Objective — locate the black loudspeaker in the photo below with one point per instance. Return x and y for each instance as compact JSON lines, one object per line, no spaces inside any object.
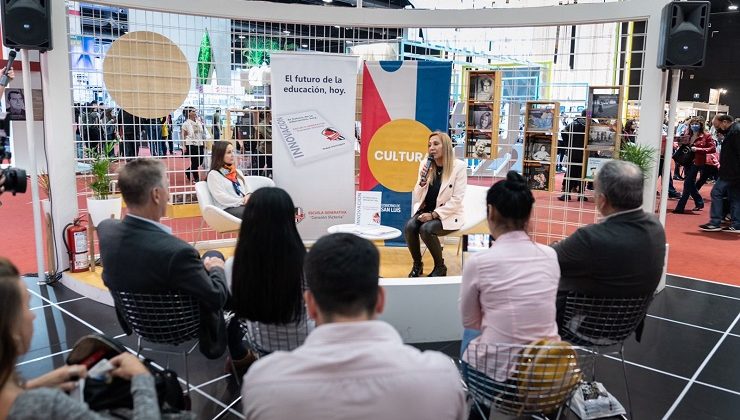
{"x":683,"y":35}
{"x":27,"y":24}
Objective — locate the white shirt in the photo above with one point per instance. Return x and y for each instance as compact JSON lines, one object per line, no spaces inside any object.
{"x":354,"y":370}
{"x":222,"y":190}
{"x":192,"y":132}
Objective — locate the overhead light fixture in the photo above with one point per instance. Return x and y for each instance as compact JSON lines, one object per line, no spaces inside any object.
{"x":732,"y":7}
{"x":348,"y":42}
{"x":304,"y":45}
{"x":286,"y":32}
{"x":328,"y":1}
{"x":242,"y":36}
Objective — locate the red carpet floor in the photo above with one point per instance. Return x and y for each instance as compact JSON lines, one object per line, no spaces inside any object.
{"x":702,"y":255}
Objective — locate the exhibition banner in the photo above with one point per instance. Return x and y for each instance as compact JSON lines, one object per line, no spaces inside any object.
{"x":402,"y":103}
{"x":313,"y":125}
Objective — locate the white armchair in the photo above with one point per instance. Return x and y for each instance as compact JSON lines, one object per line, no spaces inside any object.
{"x":217,"y":219}
{"x":255,"y":182}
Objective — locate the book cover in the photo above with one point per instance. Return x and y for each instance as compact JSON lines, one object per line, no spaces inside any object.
{"x":538,"y":148}
{"x":309,"y":137}
{"x":537,"y":176}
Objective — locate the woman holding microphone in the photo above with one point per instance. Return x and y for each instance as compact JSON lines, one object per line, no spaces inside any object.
{"x":437,"y":203}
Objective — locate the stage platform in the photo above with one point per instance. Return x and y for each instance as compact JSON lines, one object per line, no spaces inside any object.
{"x":422,"y":309}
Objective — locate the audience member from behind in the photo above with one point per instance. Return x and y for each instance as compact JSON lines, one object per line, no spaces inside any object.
{"x":44,"y":397}
{"x":437,"y":203}
{"x":352,"y":365}
{"x":728,"y":183}
{"x":142,"y":255}
{"x":267,"y":277}
{"x":701,"y":143}
{"x":508,"y":291}
{"x":623,"y":255}
{"x":225,"y":182}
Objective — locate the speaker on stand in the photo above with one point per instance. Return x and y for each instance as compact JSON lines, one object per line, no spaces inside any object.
{"x":683,"y":35}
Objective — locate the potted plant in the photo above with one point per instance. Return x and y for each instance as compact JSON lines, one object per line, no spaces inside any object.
{"x":641,"y":155}
{"x":101,"y":206}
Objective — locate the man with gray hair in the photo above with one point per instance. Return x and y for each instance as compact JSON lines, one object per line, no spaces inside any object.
{"x":142,"y":255}
{"x":621,"y":256}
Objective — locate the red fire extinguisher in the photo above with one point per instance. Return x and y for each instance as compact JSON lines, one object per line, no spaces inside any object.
{"x":75,"y":239}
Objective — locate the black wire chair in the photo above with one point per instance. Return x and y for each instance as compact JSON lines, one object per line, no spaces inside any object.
{"x":598,"y":322}
{"x":169,"y":320}
{"x":522,"y":380}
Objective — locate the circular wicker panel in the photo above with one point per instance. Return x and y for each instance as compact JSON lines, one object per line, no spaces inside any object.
{"x":146,"y":74}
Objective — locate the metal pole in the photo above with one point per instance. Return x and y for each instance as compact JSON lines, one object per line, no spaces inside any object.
{"x":31,"y":136}
{"x":670,"y":134}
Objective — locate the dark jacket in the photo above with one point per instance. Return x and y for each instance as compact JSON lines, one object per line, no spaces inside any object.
{"x":622,"y":256}
{"x":140,"y":257}
{"x":729,"y":156}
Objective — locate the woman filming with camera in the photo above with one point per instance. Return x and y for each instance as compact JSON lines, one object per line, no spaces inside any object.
{"x":44,"y":397}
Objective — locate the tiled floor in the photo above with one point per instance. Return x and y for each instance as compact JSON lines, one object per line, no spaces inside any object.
{"x":685,"y":367}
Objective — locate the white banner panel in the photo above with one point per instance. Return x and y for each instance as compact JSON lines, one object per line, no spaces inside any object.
{"x":313,"y":130}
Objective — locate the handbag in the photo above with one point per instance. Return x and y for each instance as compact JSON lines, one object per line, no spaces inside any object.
{"x":683,"y":155}
{"x":115,"y":393}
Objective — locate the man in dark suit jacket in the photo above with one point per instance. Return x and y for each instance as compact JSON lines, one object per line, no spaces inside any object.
{"x":623,"y":255}
{"x":141,"y":255}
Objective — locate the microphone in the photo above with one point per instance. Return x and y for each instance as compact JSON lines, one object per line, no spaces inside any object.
{"x":424,"y":174}
{"x":4,"y":80}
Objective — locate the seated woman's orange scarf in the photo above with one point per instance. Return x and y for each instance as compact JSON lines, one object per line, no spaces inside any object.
{"x":229,"y":171}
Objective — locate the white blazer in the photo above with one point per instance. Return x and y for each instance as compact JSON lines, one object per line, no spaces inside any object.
{"x":450,"y":198}
{"x":222,"y":190}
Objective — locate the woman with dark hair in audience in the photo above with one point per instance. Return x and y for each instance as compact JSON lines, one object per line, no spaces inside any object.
{"x":225,"y":182}
{"x":44,"y":397}
{"x":266,"y":275}
{"x":701,"y":143}
{"x":508,"y":291}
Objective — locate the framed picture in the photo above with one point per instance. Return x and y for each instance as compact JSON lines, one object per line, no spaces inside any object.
{"x":15,"y":104}
{"x":481,"y":87}
{"x":481,"y":117}
{"x":540,"y":118}
{"x":605,"y":105}
{"x":539,"y":148}
{"x":601,"y":136}
{"x":537,"y":176}
{"x":593,"y":165}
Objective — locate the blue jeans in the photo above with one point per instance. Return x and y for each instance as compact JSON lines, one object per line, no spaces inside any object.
{"x":468,"y":336}
{"x":689,"y":188}
{"x":721,"y":190}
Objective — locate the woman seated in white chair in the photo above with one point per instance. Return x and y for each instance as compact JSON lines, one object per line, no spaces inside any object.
{"x":437,"y":203}
{"x":266,"y":277}
{"x":508,"y":291}
{"x":226,"y":183}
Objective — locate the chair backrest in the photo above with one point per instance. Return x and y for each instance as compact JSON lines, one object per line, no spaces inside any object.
{"x":601,"y":321}
{"x":167,"y":317}
{"x":267,"y":338}
{"x":204,"y":196}
{"x":255,"y":182}
{"x":474,"y":205}
{"x":541,"y":376}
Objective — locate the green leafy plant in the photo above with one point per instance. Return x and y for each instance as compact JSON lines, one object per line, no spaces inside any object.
{"x":100,"y":168}
{"x":641,"y":155}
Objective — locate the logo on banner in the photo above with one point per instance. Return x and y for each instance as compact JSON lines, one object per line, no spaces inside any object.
{"x":332,"y":134}
{"x":395,"y":151}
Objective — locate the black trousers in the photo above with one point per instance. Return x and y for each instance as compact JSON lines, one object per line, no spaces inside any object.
{"x":429,"y":232}
{"x":235,"y":211}
{"x":196,"y":159}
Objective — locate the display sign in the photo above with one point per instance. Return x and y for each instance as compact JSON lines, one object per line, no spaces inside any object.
{"x":313,"y":123}
{"x":402,"y":103}
{"x":367,"y":208}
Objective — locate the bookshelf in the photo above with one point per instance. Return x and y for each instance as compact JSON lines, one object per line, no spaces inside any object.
{"x":482,"y":106}
{"x":542,"y":119}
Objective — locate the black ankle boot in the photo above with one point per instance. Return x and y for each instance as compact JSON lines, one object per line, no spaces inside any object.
{"x":438,"y":271}
{"x":417,"y":269}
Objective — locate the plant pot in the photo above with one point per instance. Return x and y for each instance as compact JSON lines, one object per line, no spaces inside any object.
{"x":100,"y":210}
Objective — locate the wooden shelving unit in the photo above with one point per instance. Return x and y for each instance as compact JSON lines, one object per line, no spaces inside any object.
{"x":542,"y":119}
{"x":603,"y":127}
{"x":482,"y":105}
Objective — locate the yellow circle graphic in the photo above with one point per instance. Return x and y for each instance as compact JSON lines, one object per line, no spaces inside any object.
{"x":146,"y":74}
{"x":395,"y":151}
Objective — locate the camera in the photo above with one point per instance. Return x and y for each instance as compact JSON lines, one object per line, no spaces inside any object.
{"x":15,"y":180}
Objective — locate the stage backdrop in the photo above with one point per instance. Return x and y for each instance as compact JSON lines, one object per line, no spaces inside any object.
{"x":313,"y":124}
{"x":402,"y":103}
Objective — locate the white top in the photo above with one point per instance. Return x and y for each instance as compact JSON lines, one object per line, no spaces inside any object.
{"x":222,"y":190}
{"x":192,"y":133}
{"x":369,"y":232}
{"x":354,"y":370}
